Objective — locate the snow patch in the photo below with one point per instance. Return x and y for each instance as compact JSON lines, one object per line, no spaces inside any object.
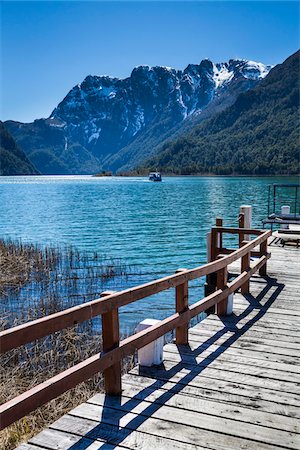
{"x":255,"y":70}
{"x":107,"y":91}
{"x":94,"y":136}
{"x":139,"y":120}
{"x":221,"y":74}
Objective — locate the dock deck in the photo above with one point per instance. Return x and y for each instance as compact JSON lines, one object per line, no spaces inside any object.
{"x":236,"y":386}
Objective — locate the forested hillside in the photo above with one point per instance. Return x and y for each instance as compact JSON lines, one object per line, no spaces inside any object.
{"x":13,"y":160}
{"x":258,"y":134}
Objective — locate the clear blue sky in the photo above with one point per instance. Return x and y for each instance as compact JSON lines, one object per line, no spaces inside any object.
{"x":48,"y":47}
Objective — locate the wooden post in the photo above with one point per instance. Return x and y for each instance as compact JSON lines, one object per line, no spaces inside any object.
{"x":210,"y":285}
{"x":214,"y":244}
{"x":219,"y":223}
{"x":245,"y":266}
{"x":241,"y":225}
{"x":247,"y":210}
{"x":208,"y":247}
{"x":263,"y":248}
{"x":111,"y":339}
{"x":182,"y":304}
{"x":222,"y":276}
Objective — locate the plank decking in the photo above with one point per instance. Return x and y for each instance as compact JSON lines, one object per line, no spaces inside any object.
{"x":236,"y":386}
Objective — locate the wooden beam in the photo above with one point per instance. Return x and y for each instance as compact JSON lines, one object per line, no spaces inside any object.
{"x":241,"y":225}
{"x":222,"y":277}
{"x":219,"y":223}
{"x":240,"y":230}
{"x":214,"y":244}
{"x":111,"y":339}
{"x":245,"y":264}
{"x":28,"y":332}
{"x":23,"y":404}
{"x":182,"y":304}
{"x":263,"y":248}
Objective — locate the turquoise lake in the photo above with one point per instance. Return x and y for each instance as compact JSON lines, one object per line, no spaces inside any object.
{"x":154,"y":228}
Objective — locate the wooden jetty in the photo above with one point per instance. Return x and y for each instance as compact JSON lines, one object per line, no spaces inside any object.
{"x":231,"y":382}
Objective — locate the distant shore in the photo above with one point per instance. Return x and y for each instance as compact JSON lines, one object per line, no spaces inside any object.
{"x":172,"y":175}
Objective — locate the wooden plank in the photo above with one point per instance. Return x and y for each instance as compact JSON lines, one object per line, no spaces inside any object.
{"x":218,"y":349}
{"x":264,"y":306}
{"x":236,"y":367}
{"x":61,"y":440}
{"x":262,"y":320}
{"x":234,"y":387}
{"x":295,"y":315}
{"x":138,"y":394}
{"x":219,"y":394}
{"x":190,"y":371}
{"x":256,"y":333}
{"x":197,"y":336}
{"x":233,"y":358}
{"x":170,"y":420}
{"x":243,"y":336}
{"x":155,"y":434}
{"x":125,"y":437}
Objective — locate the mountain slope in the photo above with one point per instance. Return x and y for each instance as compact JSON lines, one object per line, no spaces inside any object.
{"x":258,"y":134}
{"x":47,"y":146}
{"x":115,"y":123}
{"x":13,"y":160}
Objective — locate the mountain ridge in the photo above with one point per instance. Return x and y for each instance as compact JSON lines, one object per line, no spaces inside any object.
{"x":258,"y":134}
{"x":111,"y":123}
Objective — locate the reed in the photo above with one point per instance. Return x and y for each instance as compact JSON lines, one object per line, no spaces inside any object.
{"x":35,"y":281}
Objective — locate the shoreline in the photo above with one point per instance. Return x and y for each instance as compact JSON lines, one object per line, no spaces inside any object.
{"x":163,"y":175}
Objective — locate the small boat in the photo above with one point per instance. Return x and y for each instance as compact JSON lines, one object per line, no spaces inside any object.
{"x":154,"y":176}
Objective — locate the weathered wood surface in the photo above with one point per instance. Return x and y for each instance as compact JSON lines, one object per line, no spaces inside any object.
{"x":235,"y":386}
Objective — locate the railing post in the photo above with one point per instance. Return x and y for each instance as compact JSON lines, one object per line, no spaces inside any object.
{"x":210,"y":284}
{"x":111,"y":339}
{"x":222,"y":277}
{"x":214,"y":244}
{"x":263,"y":248}
{"x":244,"y":267}
{"x":208,"y":247}
{"x":247,"y":211}
{"x":219,"y":223}
{"x":182,"y":304}
{"x":241,"y":225}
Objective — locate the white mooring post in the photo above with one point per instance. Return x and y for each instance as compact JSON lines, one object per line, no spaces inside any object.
{"x":151,"y":354}
{"x":247,"y":211}
{"x":229,"y":305}
{"x":285,"y":210}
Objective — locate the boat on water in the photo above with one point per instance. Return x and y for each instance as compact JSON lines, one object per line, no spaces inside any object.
{"x":154,"y":176}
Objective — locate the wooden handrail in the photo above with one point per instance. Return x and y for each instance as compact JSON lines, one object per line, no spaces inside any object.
{"x":35,"y":329}
{"x":232,"y":230}
{"x":108,"y":306}
{"x":28,"y":401}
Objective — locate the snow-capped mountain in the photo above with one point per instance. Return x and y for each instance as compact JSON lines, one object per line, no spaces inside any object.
{"x":120,"y":121}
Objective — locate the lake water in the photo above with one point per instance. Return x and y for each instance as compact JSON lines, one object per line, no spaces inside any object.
{"x":153,"y":227}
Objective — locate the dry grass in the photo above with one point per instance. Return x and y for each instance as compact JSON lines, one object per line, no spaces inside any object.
{"x":34,"y":363}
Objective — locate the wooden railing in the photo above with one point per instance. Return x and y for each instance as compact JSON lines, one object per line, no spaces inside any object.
{"x":109,"y":361}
